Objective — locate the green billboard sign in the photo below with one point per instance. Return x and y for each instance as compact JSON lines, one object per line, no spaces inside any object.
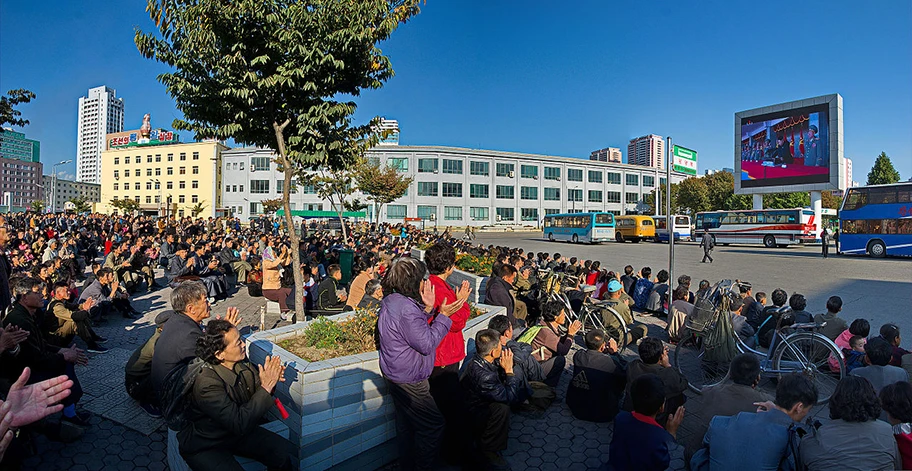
{"x":684,"y":160}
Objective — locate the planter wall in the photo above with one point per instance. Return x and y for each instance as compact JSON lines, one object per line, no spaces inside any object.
{"x":340,"y":413}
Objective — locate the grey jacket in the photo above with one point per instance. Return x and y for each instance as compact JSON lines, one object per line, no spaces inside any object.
{"x":847,"y":446}
{"x":96,"y":290}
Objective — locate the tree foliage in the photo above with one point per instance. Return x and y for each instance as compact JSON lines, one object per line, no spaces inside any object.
{"x":82,"y":205}
{"x":127,"y":206}
{"x":883,"y":172}
{"x":693,"y":195}
{"x":198,"y":208}
{"x":829,"y":200}
{"x":277,"y":75}
{"x":786,"y":200}
{"x":38,"y":206}
{"x":9,"y":115}
{"x":381,"y":184}
{"x":272,"y":205}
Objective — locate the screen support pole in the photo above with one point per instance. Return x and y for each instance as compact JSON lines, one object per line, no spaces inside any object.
{"x":758,"y":201}
{"x":817,"y":206}
{"x":669,"y":217}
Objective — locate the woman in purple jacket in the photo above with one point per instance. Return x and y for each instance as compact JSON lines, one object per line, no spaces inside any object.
{"x":409,"y":332}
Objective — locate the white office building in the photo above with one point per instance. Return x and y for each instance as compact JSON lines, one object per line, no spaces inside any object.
{"x":100,"y":113}
{"x":457,"y":187}
{"x":648,"y":151}
{"x":67,"y":190}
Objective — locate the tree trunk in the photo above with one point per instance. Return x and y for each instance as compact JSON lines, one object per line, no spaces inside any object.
{"x":289,"y":222}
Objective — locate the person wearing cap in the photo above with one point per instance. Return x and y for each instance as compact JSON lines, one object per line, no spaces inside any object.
{"x":813,"y":153}
{"x":636,"y":330}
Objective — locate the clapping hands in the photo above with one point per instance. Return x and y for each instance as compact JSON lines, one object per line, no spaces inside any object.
{"x":11,"y":336}
{"x":271,"y":373}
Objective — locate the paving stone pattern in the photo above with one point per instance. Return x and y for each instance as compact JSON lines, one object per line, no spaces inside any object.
{"x":123,"y":437}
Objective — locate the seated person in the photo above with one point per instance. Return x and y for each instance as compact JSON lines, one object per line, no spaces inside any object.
{"x":231,"y":258}
{"x":599,"y":379}
{"x":890,"y":333}
{"x":72,"y":320}
{"x":44,"y":359}
{"x":639,"y":442}
{"x":549,"y":346}
{"x":680,"y":311}
{"x":138,"y":370}
{"x":636,"y":330}
{"x":526,"y":366}
{"x":798,"y":303}
{"x":642,"y":289}
{"x":831,"y":325}
{"x":772,"y":443}
{"x":726,"y":399}
{"x":108,"y":296}
{"x":491,"y":388}
{"x":206,"y":268}
{"x":329,"y":296}
{"x":230,"y":398}
{"x":879,"y":370}
{"x":658,"y":296}
{"x":860,"y":327}
{"x":897,"y":403}
{"x":770,"y":316}
{"x":373,"y":294}
{"x":654,"y":360}
{"x":180,"y":266}
{"x":740,"y":324}
{"x":499,"y":287}
{"x":855,"y":355}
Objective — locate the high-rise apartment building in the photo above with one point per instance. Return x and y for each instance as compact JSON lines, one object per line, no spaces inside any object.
{"x":20,"y":169}
{"x":847,"y":173}
{"x":648,"y":151}
{"x":608,"y":154}
{"x":100,"y":113}
{"x":389,"y":129}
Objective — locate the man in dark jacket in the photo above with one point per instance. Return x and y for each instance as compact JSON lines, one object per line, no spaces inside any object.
{"x":599,"y":379}
{"x":628,"y":279}
{"x":327,"y":297}
{"x":230,"y":258}
{"x":138,"y":370}
{"x":524,"y":364}
{"x":177,"y":343}
{"x":108,"y":297}
{"x":72,"y":320}
{"x":491,"y":388}
{"x":180,"y":267}
{"x":654,"y":360}
{"x":497,"y":291}
{"x":35,"y":352}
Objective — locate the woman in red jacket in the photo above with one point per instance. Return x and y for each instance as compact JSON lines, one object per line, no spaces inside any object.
{"x":444,"y":381}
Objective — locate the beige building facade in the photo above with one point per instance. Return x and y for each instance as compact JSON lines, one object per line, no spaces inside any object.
{"x":165,"y":179}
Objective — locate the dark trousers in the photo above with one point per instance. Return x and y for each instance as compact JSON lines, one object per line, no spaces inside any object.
{"x":142,"y":390}
{"x":63,"y":337}
{"x":419,"y":424}
{"x":826,"y":249}
{"x":447,"y":394}
{"x":706,"y":254}
{"x":552,"y":369}
{"x":70,"y":371}
{"x":491,"y":427}
{"x":260,"y":444}
{"x":278,"y":295}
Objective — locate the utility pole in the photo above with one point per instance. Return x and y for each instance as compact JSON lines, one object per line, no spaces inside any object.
{"x":669,"y":221}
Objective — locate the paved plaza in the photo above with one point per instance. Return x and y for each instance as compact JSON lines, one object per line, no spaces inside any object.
{"x":122,"y":436}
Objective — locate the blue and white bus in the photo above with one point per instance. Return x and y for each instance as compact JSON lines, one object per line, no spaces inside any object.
{"x":876,"y":220}
{"x":579,"y":227}
{"x":680,"y":228}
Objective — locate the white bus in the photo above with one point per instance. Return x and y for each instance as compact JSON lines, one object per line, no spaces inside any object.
{"x":681,"y":228}
{"x":770,"y":227}
{"x":579,"y":227}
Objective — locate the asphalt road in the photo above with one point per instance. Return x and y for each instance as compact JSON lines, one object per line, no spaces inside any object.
{"x":879,"y":290}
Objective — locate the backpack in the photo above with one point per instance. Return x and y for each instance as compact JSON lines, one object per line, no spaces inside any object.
{"x":175,"y":393}
{"x":529,"y":335}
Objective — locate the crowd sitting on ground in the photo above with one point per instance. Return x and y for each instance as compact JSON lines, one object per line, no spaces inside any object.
{"x":448,"y":406}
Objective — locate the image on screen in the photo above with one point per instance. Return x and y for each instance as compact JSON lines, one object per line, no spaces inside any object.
{"x":784,"y":148}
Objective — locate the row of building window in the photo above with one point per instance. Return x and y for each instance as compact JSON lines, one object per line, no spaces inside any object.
{"x":455,"y":213}
{"x":482,"y":169}
{"x":149,"y":199}
{"x":158,"y":158}
{"x":454,"y":190}
{"x":168,"y":185}
{"x":195,"y":170}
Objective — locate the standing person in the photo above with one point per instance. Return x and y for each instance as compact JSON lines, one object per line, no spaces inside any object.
{"x":272,"y":278}
{"x":444,"y":380}
{"x":707,"y":242}
{"x":409,"y":335}
{"x":825,"y":242}
{"x":498,"y":289}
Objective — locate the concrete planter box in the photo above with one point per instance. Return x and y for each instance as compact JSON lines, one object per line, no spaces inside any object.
{"x":477,"y":282}
{"x":341,"y":415}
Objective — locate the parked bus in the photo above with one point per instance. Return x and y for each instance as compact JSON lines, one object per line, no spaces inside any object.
{"x":634,"y":228}
{"x":770,"y":227}
{"x":579,"y":227}
{"x":876,"y":220}
{"x":681,"y":228}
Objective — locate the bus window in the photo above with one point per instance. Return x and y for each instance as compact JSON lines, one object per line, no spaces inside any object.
{"x":682,"y":221}
{"x":904,"y":195}
{"x":660,"y":223}
{"x":646,"y":222}
{"x":856,"y":199}
{"x":603,"y":219}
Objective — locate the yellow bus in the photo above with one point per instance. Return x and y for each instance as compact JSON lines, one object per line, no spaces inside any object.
{"x":633,"y":228}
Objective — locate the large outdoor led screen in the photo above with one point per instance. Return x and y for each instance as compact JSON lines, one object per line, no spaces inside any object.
{"x":786,"y":147}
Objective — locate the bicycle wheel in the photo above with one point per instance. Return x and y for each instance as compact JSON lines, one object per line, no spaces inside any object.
{"x":691,"y":361}
{"x":808,"y":354}
{"x":592,"y":319}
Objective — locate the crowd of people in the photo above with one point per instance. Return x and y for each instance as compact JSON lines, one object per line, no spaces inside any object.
{"x":63,"y":276}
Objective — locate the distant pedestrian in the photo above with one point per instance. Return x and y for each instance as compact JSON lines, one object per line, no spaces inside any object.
{"x":825,"y":242}
{"x":708,"y":242}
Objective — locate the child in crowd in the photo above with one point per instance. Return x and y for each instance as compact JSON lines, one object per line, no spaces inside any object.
{"x":858,"y":327}
{"x":890,"y":333}
{"x":897,"y":403}
{"x":761,"y":298}
{"x":854,"y":355}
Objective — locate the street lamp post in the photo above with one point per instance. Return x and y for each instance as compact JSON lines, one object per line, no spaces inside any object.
{"x":158,"y":185}
{"x":54,"y":189}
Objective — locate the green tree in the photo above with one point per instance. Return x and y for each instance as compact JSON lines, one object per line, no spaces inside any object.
{"x":381,"y":184}
{"x":882,"y":173}
{"x":829,"y":200}
{"x":650,"y":200}
{"x":127,"y":206}
{"x":81,"y":205}
{"x":786,"y":200}
{"x":276,"y":74}
{"x":693,"y":195}
{"x":272,"y":205}
{"x":335,"y":186}
{"x":38,"y":206}
{"x":9,"y":115}
{"x":721,"y":192}
{"x":197,"y":209}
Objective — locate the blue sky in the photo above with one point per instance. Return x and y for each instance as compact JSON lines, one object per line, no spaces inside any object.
{"x":533,"y":76}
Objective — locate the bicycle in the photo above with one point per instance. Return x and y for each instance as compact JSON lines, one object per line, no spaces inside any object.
{"x":591,"y":313}
{"x":704,"y":354}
